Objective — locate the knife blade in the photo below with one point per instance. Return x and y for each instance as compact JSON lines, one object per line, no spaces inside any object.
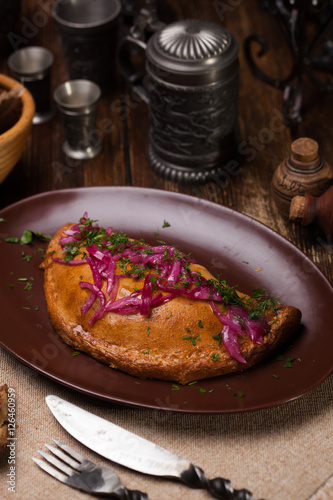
{"x":137,"y":453}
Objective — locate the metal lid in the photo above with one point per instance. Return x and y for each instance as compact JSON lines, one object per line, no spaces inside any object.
{"x":192,"y":52}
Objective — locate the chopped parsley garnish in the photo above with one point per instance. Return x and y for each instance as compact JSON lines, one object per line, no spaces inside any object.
{"x":193,"y":338}
{"x":289,"y":362}
{"x":263,"y":302}
{"x":256,"y":305}
{"x":28,"y":235}
{"x":218,"y":337}
{"x":239,"y":394}
{"x":10,"y":239}
{"x":25,"y":257}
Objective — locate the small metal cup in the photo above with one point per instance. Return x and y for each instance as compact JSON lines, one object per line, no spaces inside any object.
{"x":89,"y":33}
{"x":77,"y":100}
{"x":32,"y":67}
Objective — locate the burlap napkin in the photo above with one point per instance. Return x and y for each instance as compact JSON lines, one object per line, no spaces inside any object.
{"x":280,"y":453}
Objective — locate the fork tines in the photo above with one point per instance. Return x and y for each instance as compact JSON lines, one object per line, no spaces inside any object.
{"x":71,"y":468}
{"x":60,"y":469}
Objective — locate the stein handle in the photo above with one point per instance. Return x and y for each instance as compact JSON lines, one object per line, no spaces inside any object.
{"x":130,"y":74}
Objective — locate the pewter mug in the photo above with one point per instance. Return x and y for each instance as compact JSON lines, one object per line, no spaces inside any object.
{"x":89,"y":32}
{"x":191,"y":88}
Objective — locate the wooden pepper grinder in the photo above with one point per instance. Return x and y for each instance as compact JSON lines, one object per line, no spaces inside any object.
{"x":309,"y":209}
{"x":303,"y":172}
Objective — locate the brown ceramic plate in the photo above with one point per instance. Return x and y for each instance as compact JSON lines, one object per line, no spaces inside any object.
{"x":224,"y":240}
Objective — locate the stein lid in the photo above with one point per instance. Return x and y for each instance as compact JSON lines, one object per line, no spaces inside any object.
{"x":194,"y":52}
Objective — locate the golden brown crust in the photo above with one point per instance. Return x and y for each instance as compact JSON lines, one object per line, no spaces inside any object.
{"x":153,"y":346}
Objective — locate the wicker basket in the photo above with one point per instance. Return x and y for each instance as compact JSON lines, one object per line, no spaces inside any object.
{"x":16,"y":122}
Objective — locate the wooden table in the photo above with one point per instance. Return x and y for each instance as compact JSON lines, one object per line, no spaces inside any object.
{"x":123,"y":161}
{"x":282,"y":452}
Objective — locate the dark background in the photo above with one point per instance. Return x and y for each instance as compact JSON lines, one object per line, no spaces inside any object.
{"x":123,"y":121}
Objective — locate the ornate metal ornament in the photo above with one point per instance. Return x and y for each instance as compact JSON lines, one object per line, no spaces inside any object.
{"x":308,"y":55}
{"x":187,"y":40}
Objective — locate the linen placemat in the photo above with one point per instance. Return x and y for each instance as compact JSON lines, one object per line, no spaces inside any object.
{"x":285,"y":452}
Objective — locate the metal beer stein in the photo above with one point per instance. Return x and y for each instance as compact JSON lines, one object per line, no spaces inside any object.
{"x":191,"y":87}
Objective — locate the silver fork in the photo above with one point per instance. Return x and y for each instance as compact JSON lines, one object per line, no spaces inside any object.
{"x":77,"y":471}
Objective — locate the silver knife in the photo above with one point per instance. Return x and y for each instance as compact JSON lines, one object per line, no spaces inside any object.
{"x":136,"y":453}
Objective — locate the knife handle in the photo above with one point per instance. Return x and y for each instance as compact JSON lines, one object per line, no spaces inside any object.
{"x":218,"y":487}
{"x":125,"y":494}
